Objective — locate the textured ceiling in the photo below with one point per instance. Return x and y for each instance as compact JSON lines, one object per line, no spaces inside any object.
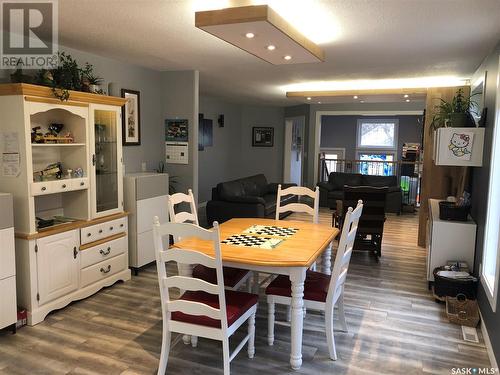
{"x":373,"y":39}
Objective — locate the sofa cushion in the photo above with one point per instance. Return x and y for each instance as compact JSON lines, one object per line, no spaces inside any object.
{"x":336,"y":194}
{"x":379,"y":181}
{"x":231,"y":189}
{"x":270,"y":204}
{"x":339,"y":179}
{"x":255,"y":185}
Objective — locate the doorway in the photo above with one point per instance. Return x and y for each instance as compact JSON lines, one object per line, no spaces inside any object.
{"x":294,"y":150}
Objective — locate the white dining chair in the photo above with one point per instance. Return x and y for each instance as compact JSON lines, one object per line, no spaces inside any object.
{"x":205,"y":309}
{"x":298,"y":191}
{"x":321,"y":291}
{"x":234,"y":278}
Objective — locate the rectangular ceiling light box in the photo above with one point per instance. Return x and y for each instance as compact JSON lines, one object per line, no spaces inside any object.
{"x":254,"y":29}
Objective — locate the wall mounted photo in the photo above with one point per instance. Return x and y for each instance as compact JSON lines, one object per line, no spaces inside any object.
{"x":131,"y":118}
{"x":176,"y":130}
{"x":262,"y":136}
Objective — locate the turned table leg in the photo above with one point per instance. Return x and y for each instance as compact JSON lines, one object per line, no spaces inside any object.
{"x":297,"y":277}
{"x":327,"y":260}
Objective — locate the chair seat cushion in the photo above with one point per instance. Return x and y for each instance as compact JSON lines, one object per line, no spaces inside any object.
{"x":237,"y":303}
{"x":232,"y":276}
{"x":315,"y":286}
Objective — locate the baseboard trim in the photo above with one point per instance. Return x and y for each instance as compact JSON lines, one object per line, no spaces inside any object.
{"x":487,"y":342}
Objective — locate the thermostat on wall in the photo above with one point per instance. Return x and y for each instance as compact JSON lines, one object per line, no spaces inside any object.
{"x":177,"y":152}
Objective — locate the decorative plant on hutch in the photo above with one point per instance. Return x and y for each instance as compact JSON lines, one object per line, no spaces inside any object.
{"x":457,"y":113}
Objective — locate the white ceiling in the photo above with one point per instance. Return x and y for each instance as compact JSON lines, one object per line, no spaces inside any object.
{"x":368,"y":39}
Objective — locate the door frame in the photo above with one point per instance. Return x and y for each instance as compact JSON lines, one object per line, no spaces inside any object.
{"x":287,"y":146}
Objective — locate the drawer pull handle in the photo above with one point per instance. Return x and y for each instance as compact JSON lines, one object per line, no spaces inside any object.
{"x":64,"y":186}
{"x":107,"y":269}
{"x":110,"y":228}
{"x":44,"y":188}
{"x":105,"y":252}
{"x":89,"y":234}
{"x":82,"y":183}
{"x":121,"y":225}
{"x":100,"y":230}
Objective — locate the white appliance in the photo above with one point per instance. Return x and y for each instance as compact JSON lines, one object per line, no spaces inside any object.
{"x":146,"y":196}
{"x":8,"y":305}
{"x":448,"y":240}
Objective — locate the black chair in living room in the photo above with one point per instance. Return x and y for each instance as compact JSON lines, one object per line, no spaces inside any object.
{"x":371,"y":223}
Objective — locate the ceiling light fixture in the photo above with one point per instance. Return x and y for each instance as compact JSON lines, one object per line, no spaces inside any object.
{"x":229,"y":24}
{"x":406,"y":95}
{"x":319,"y":102}
{"x":407,"y":100}
{"x":249,"y":35}
{"x":308,"y":98}
{"x":287,"y":57}
{"x":355,"y":97}
{"x":361,"y":101}
{"x":335,"y":88}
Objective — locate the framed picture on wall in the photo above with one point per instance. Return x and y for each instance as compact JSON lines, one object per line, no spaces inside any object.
{"x":131,"y":118}
{"x":262,"y":136}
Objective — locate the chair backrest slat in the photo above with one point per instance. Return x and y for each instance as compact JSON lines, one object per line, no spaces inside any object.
{"x":189,"y":257}
{"x":298,"y":207}
{"x":190,"y":283}
{"x":183,"y":216}
{"x":344,"y":252}
{"x":194,"y":308}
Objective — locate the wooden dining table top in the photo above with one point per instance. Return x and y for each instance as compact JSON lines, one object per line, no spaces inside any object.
{"x":299,"y":250}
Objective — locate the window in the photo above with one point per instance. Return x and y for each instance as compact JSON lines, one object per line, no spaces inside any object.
{"x":375,"y":164}
{"x":490,"y":265}
{"x":377,"y":142}
{"x":334,"y":159}
{"x":377,"y":134}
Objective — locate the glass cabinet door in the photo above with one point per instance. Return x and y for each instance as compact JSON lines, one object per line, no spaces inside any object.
{"x":106,"y":161}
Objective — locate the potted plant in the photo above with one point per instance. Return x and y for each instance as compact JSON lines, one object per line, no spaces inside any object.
{"x":90,"y":82}
{"x":457,"y":113}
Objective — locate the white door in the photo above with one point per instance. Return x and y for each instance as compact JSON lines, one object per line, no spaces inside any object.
{"x":107,"y":162}
{"x":294,"y":150}
{"x":58,"y":265}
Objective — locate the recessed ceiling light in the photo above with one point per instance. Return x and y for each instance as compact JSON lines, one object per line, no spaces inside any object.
{"x":319,"y":102}
{"x":407,"y":100}
{"x":271,"y":47}
{"x":308,"y":98}
{"x":249,"y":35}
{"x":406,"y":95}
{"x":287,"y":57}
{"x":361,"y":101}
{"x":355,"y":96}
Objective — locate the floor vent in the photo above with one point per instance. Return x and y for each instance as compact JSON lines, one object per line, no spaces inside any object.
{"x":470,"y":334}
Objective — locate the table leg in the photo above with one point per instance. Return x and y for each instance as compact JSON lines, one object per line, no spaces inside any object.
{"x":297,"y":277}
{"x":186,"y":270}
{"x":327,"y":260}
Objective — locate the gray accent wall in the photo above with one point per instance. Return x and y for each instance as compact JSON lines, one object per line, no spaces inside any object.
{"x":341,"y":131}
{"x":232,"y":155}
{"x":480,"y":183}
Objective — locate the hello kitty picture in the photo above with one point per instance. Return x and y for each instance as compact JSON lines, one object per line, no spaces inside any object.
{"x":461,"y":145}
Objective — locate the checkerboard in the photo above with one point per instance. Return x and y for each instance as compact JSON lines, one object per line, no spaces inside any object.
{"x":252,"y":241}
{"x":271,"y":230}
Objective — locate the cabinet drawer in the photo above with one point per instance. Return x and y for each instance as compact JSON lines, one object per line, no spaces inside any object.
{"x":103,"y":269}
{"x":42,"y":188}
{"x":103,"y":230}
{"x":79,"y":183}
{"x":102,"y":252}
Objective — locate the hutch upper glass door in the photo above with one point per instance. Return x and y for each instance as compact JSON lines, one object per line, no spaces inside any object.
{"x":107,"y":161}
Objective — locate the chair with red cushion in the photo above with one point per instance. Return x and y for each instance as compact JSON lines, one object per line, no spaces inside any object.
{"x":321,"y":292}
{"x":204,"y":309}
{"x":234,"y":278}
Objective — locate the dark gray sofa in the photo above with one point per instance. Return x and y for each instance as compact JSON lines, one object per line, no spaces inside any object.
{"x":246,"y":197}
{"x":333,"y":190}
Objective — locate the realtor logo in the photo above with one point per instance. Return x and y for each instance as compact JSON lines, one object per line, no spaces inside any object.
{"x":29,"y":37}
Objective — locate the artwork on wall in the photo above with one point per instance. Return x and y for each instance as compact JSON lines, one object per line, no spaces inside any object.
{"x":205,"y":132}
{"x":461,"y":145}
{"x":262,"y":136}
{"x":176,"y":130}
{"x":131,"y":118}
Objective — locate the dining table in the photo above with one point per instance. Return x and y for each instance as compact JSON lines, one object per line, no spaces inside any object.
{"x":292,"y":255}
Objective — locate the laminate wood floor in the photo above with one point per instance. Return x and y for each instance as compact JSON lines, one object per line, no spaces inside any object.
{"x":395,"y":328}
